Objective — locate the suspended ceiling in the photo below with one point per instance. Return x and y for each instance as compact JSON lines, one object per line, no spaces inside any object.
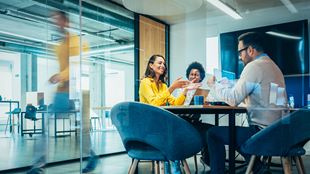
{"x":26,"y":26}
{"x":27,"y":23}
{"x":244,"y":7}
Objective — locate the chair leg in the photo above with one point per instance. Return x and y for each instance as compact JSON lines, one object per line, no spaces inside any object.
{"x":251,"y":164}
{"x":133,"y":166}
{"x":299,"y":165}
{"x":186,"y":168}
{"x":156,"y":167}
{"x":161,"y":167}
{"x":100,"y":125}
{"x":269,"y":162}
{"x":286,"y":162}
{"x":12,"y":124}
{"x":152,"y":166}
{"x":130,"y":165}
{"x":195,"y":161}
{"x":18,"y":124}
{"x":266,"y":160}
{"x":7,"y":123}
{"x":302,"y":164}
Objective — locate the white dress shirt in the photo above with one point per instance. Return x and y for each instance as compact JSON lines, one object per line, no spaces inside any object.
{"x":253,"y":88}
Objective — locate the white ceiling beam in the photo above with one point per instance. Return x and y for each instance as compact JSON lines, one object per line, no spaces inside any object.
{"x":225,"y":8}
{"x":289,"y":5}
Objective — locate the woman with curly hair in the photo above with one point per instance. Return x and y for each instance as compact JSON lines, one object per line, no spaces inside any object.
{"x":196,"y":72}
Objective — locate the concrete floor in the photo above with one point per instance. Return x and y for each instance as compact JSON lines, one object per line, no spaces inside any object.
{"x":119,"y":164}
{"x":19,"y":154}
{"x":19,"y":151}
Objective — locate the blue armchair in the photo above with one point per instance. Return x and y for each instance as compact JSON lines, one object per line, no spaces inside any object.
{"x":152,"y":133}
{"x":285,"y":138}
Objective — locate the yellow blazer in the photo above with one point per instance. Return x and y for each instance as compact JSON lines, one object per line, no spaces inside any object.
{"x":68,"y":47}
{"x":149,"y":94}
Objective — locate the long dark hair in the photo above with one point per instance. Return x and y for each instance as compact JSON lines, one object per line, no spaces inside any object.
{"x":150,"y":73}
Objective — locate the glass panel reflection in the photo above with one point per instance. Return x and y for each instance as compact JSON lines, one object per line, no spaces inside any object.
{"x":40,"y":99}
{"x":107,"y":74}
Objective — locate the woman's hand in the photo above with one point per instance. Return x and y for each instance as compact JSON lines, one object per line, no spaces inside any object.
{"x":178,"y":83}
{"x":191,"y":86}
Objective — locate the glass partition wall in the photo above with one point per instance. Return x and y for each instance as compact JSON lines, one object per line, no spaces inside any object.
{"x":107,"y":73}
{"x":32,"y":131}
{"x":63,"y":65}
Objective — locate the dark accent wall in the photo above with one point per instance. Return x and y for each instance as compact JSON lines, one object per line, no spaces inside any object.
{"x":137,"y":57}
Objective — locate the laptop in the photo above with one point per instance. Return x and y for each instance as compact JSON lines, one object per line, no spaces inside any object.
{"x":191,"y":93}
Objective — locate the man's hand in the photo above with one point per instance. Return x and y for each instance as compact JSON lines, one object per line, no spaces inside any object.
{"x":211,"y":81}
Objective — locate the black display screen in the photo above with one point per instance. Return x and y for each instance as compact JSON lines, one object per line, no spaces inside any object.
{"x":286,"y":44}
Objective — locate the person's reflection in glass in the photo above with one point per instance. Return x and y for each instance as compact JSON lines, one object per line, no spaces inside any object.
{"x":68,"y":47}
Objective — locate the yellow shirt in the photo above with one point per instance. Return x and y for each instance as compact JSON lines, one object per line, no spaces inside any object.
{"x":150,"y":94}
{"x":70,"y":46}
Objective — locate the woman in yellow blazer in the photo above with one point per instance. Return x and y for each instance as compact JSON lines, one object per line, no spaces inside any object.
{"x":153,"y":89}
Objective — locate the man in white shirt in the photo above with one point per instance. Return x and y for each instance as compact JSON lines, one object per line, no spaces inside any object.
{"x":253,"y":88}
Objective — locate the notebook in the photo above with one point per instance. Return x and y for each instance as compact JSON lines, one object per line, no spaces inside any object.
{"x":189,"y":97}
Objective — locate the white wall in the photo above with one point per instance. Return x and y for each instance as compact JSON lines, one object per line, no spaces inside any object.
{"x":187,"y":44}
{"x":47,"y":68}
{"x":128,"y":71}
{"x":14,"y":60}
{"x":9,"y":82}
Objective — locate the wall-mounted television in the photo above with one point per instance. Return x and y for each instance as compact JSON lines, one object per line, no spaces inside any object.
{"x":286,"y":44}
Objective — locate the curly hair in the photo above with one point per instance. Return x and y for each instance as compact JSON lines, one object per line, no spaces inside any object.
{"x":199,"y":67}
{"x":150,"y":73}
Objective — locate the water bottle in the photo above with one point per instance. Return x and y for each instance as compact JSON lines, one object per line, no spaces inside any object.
{"x":291,"y":101}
